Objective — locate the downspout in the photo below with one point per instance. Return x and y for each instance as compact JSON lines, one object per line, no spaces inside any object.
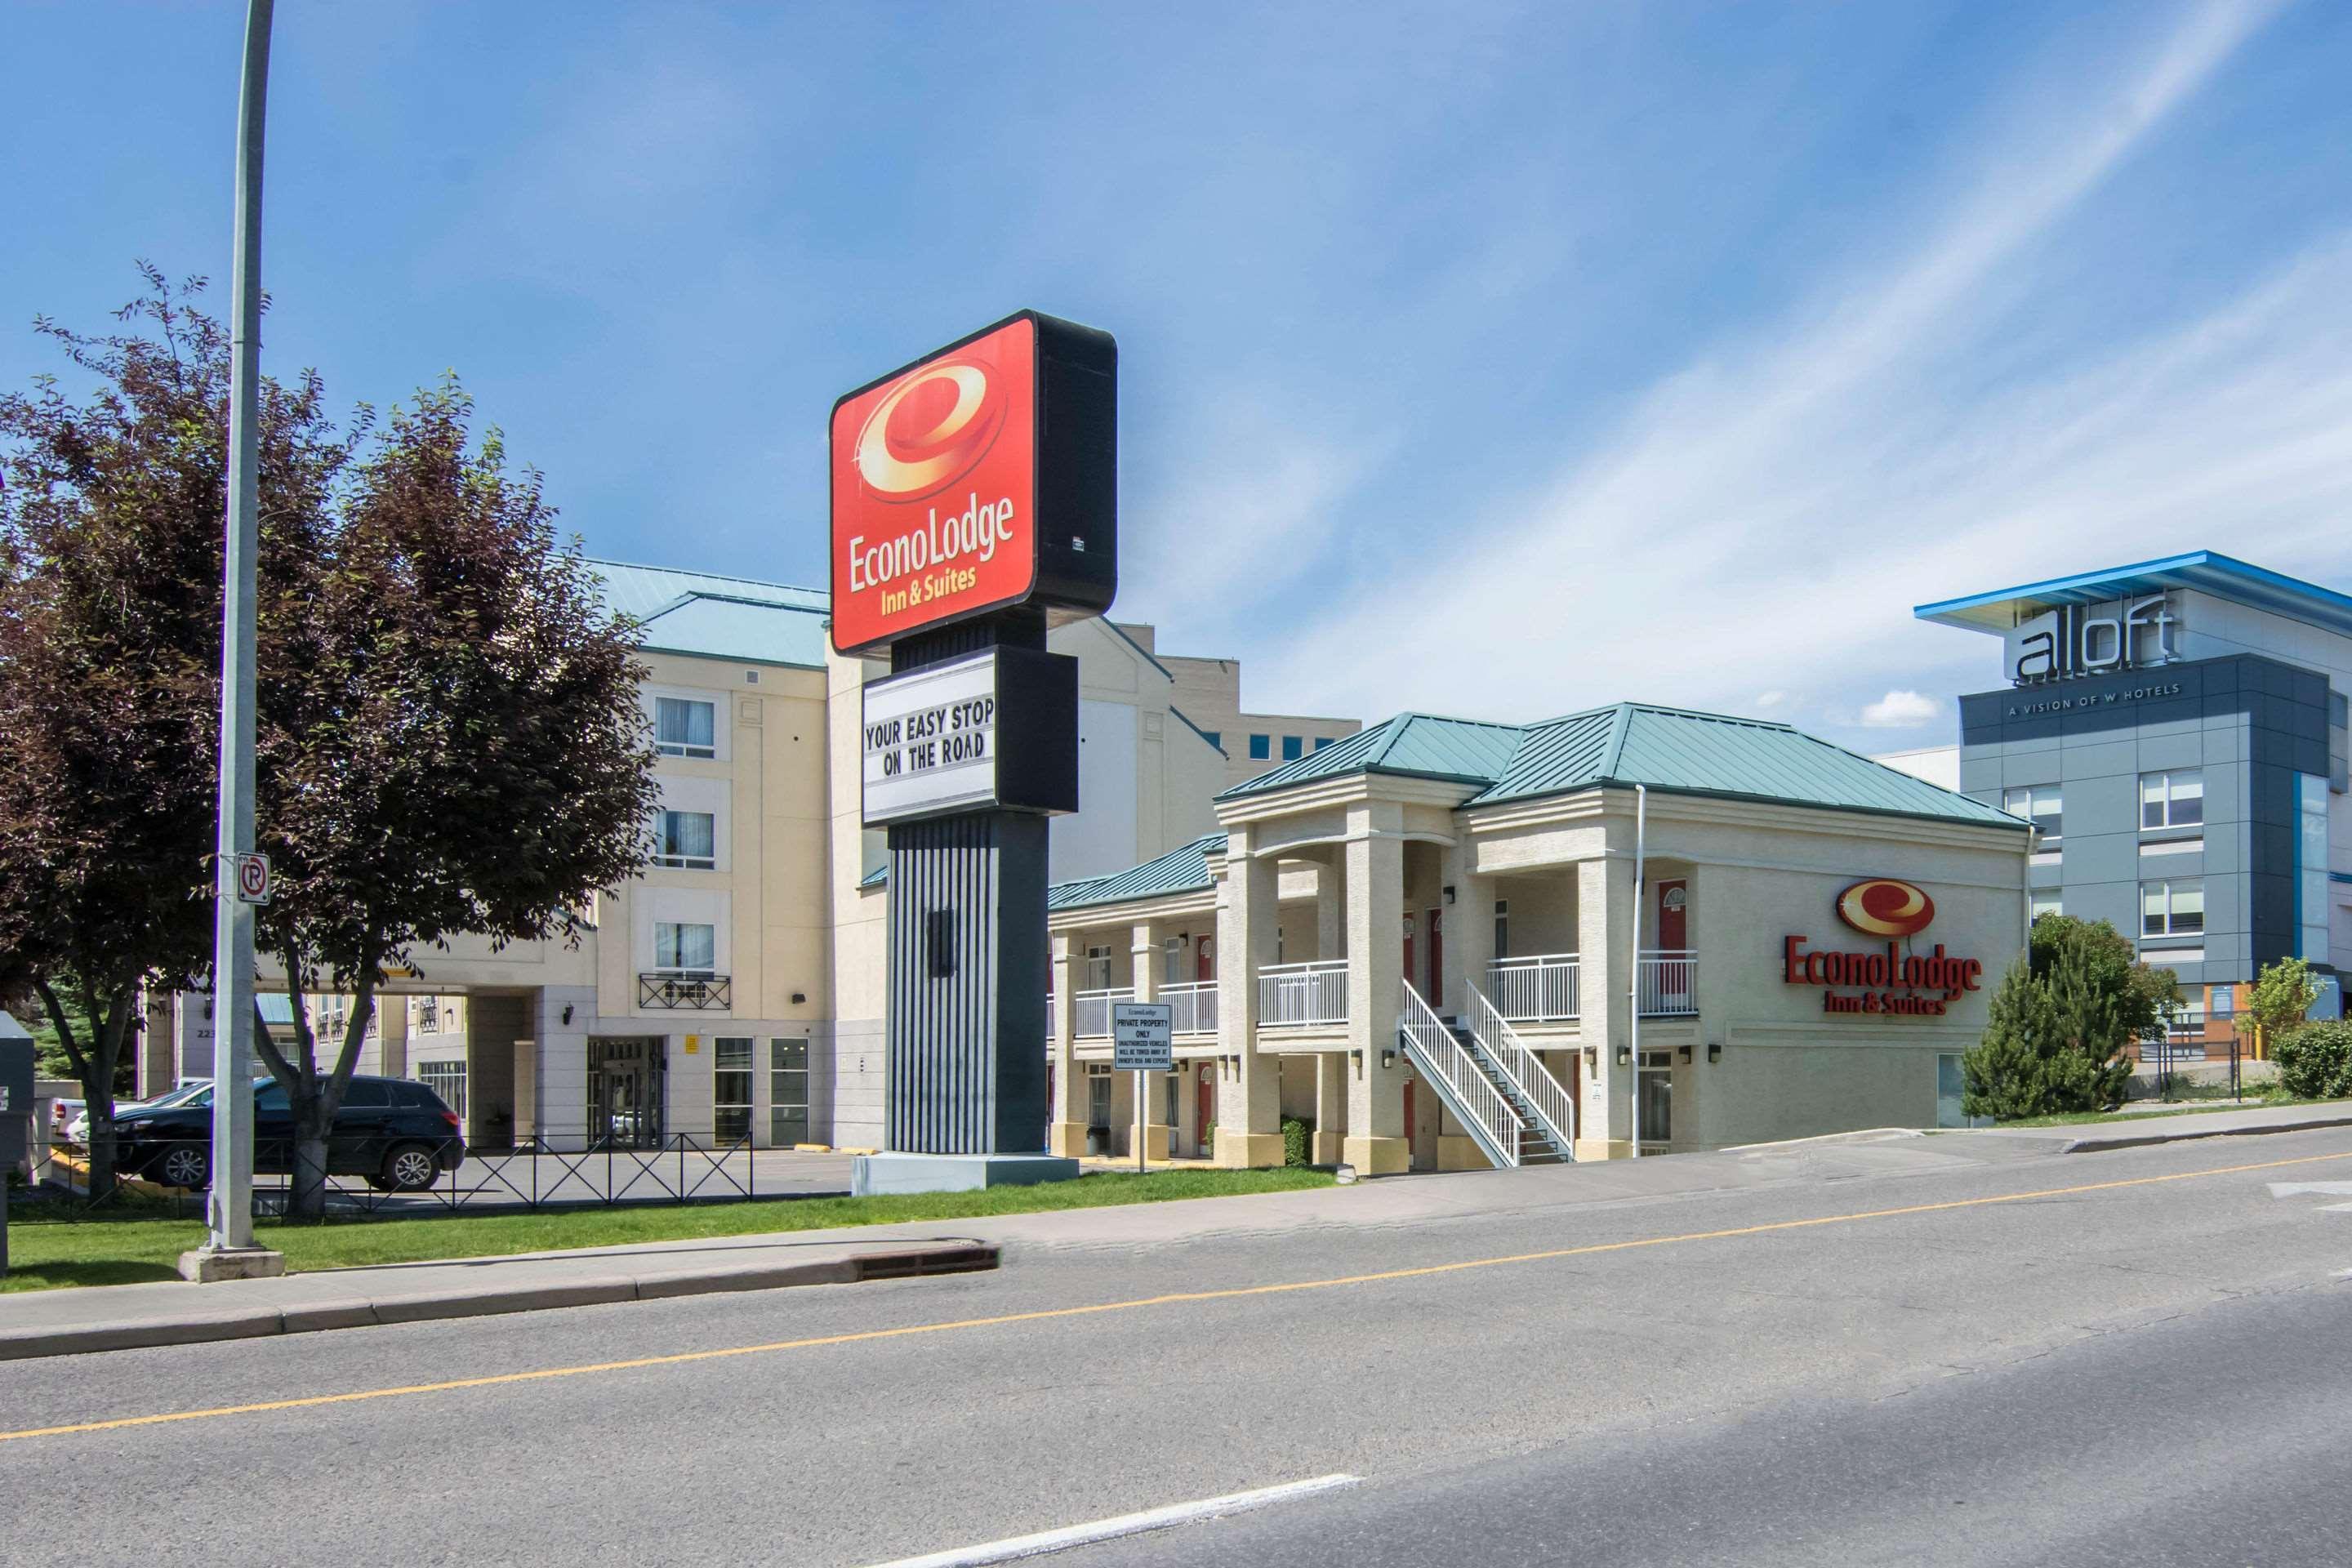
{"x":1641,"y":828}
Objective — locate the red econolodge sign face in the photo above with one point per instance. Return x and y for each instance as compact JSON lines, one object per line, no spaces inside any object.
{"x":1889,"y":980}
{"x":934,"y":477}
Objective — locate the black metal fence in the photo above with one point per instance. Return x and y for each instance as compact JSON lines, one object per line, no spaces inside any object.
{"x":680,"y":1169}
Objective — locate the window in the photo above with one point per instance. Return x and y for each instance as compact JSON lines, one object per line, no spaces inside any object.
{"x":731,"y":1090}
{"x":368,"y":1094}
{"x":689,"y":839}
{"x":1098,"y":1099}
{"x":1172,"y":961}
{"x":1321,"y":742}
{"x":684,"y":728}
{"x":788,"y":1096}
{"x":2173,"y":799}
{"x":2044,"y":901}
{"x":2311,"y":866}
{"x":1293,"y":748}
{"x":1950,"y":1083}
{"x":446,"y":1079}
{"x":1261,"y":748}
{"x":686,"y":948}
{"x":2039,"y":805}
{"x":1214,"y":737}
{"x":1501,"y":928}
{"x":1657,"y":1093}
{"x":1097,"y":969}
{"x":2174,"y":907}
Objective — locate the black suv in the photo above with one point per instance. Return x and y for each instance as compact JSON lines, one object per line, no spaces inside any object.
{"x":396,"y":1132}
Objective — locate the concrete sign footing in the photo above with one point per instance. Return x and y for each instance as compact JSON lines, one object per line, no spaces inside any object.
{"x":206,"y":1265}
{"x":876,"y":1173}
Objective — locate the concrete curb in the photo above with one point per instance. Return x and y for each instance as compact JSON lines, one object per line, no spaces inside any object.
{"x":2092,"y":1143}
{"x":197,"y":1326}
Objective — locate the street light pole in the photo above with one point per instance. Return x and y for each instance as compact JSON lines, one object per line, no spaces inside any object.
{"x":229,"y":1209}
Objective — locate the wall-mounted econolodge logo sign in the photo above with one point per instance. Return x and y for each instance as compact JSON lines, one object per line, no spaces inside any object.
{"x":978,"y":477}
{"x":1885,"y":907}
{"x":1888,"y":980}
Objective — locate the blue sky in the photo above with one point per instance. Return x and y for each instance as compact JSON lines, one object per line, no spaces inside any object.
{"x":1482,"y":359}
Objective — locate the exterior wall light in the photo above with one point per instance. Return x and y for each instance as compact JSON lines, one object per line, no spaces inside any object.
{"x":1624,"y":1056}
{"x":1387,"y":1058}
{"x":1715,"y":1051}
{"x":1685,"y":1053}
{"x":1449,"y":894}
{"x":567,"y":1012}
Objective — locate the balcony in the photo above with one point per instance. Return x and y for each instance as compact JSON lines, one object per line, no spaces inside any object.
{"x":1540,"y":988}
{"x":1093,"y":1008}
{"x":1191,"y":1007}
{"x":693,"y":991}
{"x":1303,"y":996}
{"x":1666,"y":983}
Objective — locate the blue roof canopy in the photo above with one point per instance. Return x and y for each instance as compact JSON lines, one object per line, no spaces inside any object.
{"x":2203,"y":571}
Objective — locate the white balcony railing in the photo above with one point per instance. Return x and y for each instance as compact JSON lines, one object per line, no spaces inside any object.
{"x":1093,"y":1011}
{"x":1192,"y":1006}
{"x":1300,"y":996}
{"x":1666,"y":981}
{"x":1537,"y":989}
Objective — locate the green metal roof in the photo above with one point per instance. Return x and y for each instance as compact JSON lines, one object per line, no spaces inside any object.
{"x":1630,"y":743}
{"x":1689,"y":753}
{"x":1184,"y":869}
{"x":716,"y":617}
{"x":1416,"y":745}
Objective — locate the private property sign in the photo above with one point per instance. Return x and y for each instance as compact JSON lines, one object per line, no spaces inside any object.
{"x":970,"y":735}
{"x":981,"y":476}
{"x":1142,"y":1036}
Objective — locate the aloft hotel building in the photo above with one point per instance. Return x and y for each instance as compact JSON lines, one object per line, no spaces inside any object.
{"x":2175,"y":730}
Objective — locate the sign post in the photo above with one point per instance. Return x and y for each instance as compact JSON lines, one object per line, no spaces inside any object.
{"x":975,"y":500}
{"x":1142,"y":1040}
{"x":16,"y":1114}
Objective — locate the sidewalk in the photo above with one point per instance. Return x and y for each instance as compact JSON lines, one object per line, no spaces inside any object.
{"x":126,"y":1317}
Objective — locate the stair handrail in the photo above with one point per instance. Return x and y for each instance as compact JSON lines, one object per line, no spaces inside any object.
{"x":1553,"y":1105}
{"x":1455,"y":1074}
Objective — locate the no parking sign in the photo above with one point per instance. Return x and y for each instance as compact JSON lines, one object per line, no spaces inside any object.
{"x":253,"y":879}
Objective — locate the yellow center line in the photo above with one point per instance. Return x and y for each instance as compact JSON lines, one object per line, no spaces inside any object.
{"x":1182,"y":1298}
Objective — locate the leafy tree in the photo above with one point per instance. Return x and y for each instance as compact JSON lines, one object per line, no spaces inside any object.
{"x":2111,"y":968}
{"x":111,"y":516}
{"x":2315,"y":1062}
{"x":450,"y":742}
{"x":2283,"y":994}
{"x":2062,"y":1022}
{"x":2006,"y":1075}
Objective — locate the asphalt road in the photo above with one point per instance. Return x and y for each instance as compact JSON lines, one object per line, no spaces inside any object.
{"x":2142,"y":1362}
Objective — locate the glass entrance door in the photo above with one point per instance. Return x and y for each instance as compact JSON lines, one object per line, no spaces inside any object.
{"x":624,"y":1093}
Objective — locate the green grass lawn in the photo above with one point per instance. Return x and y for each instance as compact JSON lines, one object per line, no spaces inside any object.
{"x":135,"y":1244}
{"x":2082,"y":1117}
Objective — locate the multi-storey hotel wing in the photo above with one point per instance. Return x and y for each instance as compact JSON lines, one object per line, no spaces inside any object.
{"x":2175,"y":731}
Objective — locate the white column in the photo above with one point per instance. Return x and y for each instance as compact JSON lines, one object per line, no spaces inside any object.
{"x":1249,"y":1098}
{"x":1377,"y":1141}
{"x":1066,"y":1118}
{"x":1604,"y":939}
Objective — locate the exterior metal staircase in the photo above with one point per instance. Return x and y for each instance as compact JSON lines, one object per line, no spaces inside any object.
{"x":1516,"y":1118}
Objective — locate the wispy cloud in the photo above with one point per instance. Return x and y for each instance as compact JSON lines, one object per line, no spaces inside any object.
{"x":1763,"y":517}
{"x":1902,"y":710}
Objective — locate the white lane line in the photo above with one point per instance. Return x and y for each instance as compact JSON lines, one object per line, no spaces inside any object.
{"x":1020,"y":1546}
